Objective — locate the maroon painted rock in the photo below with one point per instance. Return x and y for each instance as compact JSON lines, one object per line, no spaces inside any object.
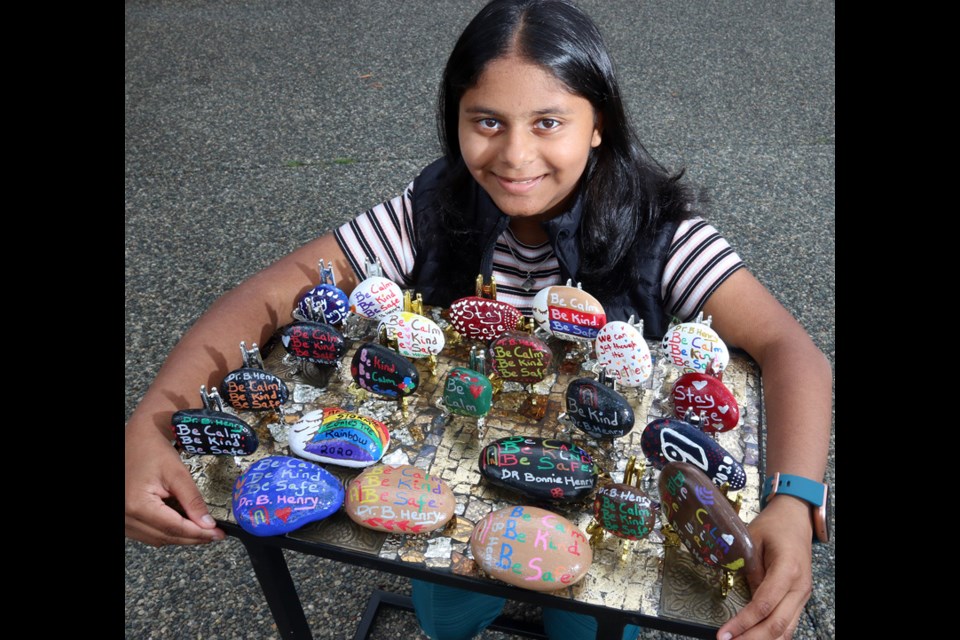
{"x":520,"y":357}
{"x":668,"y":440}
{"x":709,"y":399}
{"x":403,"y":499}
{"x":383,"y":371}
{"x":598,"y":410}
{"x":483,"y":319}
{"x":624,"y":510}
{"x":531,"y":548}
{"x":313,"y":341}
{"x":541,"y":468}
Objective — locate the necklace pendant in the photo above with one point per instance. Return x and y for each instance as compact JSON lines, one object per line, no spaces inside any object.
{"x":527,"y":284}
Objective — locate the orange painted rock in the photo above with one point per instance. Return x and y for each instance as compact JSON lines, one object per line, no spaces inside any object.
{"x":403,"y":499}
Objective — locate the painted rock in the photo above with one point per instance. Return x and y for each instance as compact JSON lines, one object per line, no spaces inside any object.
{"x":709,"y":398}
{"x":568,"y":313}
{"x":313,"y":341}
{"x":376,"y":297}
{"x":692,"y":345}
{"x":252,"y":389}
{"x":483,"y":319}
{"x":467,"y":393}
{"x":209,"y":432}
{"x":624,"y":510}
{"x":339,"y":437}
{"x":598,"y":410}
{"x":520,"y":357}
{"x":279,"y":494}
{"x":623,"y":353}
{"x":403,"y":499}
{"x":417,"y":336}
{"x":383,"y":371}
{"x":703,"y":518}
{"x":531,"y":548}
{"x":541,"y":468}
{"x":668,"y":440}
{"x":324,"y":303}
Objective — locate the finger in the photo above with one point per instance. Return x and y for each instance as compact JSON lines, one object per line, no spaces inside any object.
{"x":169,"y":527}
{"x":773,"y":612}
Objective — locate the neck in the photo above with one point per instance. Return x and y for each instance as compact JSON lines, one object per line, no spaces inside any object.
{"x":528,"y":231}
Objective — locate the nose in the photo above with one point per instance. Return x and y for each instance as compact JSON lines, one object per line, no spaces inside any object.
{"x":519,"y":148}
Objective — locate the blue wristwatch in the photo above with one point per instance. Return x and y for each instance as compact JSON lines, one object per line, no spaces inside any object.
{"x":816,"y":493}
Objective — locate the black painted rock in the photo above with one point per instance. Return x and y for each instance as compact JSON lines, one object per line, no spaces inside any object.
{"x":520,"y":357}
{"x":250,"y":389}
{"x":624,"y":510}
{"x":383,"y":371}
{"x":313,"y":341}
{"x":542,"y":468}
{"x":209,"y":432}
{"x":668,"y":440}
{"x":598,"y":410}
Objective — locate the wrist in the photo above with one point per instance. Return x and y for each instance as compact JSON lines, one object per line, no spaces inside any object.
{"x":795,"y":493}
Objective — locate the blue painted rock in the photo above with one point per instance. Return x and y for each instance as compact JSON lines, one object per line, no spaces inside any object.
{"x":531,"y":548}
{"x":339,"y":437}
{"x":598,"y":410}
{"x":417,"y":336}
{"x":279,"y":494}
{"x":568,"y":313}
{"x":324,"y":303}
{"x":623,"y":353}
{"x":252,"y":389}
{"x":668,"y":440}
{"x":209,"y":432}
{"x":483,"y":319}
{"x":403,"y":499}
{"x":313,"y":341}
{"x":709,"y":399}
{"x":624,"y":510}
{"x":692,"y":346}
{"x":375,"y":298}
{"x":384,"y":372}
{"x":541,"y":468}
{"x":467,"y":393}
{"x":520,"y":357}
{"x":703,"y":518}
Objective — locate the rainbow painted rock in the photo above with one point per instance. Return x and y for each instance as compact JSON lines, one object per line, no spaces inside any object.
{"x":313,"y":341}
{"x":483,"y":319}
{"x":417,"y":336}
{"x":692,"y":346}
{"x":376,"y":297}
{"x":383,"y":372}
{"x":668,"y":440}
{"x":520,"y":357}
{"x":324,"y":303}
{"x":568,"y":313}
{"x":402,"y":499}
{"x":250,"y":389}
{"x":624,"y":510}
{"x":467,"y":393}
{"x":541,"y":468}
{"x":209,"y":432}
{"x":339,"y":437}
{"x":279,"y":494}
{"x":703,"y":518}
{"x":623,"y":353}
{"x":598,"y":410}
{"x":531,"y":548}
{"x":709,"y":399}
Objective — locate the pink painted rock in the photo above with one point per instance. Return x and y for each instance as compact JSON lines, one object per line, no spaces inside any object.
{"x":709,"y":398}
{"x":624,"y":510}
{"x":403,"y":499}
{"x":483,"y":319}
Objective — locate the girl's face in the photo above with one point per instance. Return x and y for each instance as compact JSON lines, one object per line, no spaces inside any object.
{"x":525,"y":138}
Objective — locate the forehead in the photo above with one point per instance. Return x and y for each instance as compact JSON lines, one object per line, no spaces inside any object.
{"x":515,"y":86}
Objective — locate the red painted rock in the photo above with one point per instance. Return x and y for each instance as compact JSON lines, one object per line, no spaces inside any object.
{"x":403,"y":499}
{"x":709,"y":398}
{"x":623,"y":353}
{"x":624,"y":510}
{"x":520,"y":357}
{"x":531,"y":548}
{"x":568,"y":313}
{"x":417,"y":336}
{"x":483,"y":319}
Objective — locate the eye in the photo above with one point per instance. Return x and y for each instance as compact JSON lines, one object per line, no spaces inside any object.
{"x":548,"y":124}
{"x":488,"y":123}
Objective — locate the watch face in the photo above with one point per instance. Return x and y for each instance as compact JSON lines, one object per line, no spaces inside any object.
{"x":821,"y":517}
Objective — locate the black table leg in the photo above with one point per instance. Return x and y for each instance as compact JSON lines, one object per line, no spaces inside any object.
{"x":274,"y":577}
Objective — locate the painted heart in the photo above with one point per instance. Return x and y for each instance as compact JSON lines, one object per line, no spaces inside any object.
{"x":285,"y":340}
{"x":727,"y":538}
{"x":476,"y":390}
{"x":699,"y":384}
{"x":284,"y":513}
{"x":724,"y":409}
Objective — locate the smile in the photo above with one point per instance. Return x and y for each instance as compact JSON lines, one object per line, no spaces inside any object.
{"x":518,"y":187}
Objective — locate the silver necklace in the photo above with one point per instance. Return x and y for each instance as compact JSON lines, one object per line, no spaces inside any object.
{"x":529,"y":281}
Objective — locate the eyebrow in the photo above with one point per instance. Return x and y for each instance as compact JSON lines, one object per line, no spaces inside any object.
{"x":539,"y":112}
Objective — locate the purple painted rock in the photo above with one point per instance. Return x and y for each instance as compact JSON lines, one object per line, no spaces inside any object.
{"x":375,"y":298}
{"x":668,"y":440}
{"x":692,"y":346}
{"x":598,"y":410}
{"x":709,"y":398}
{"x":467,"y":393}
{"x":339,"y":437}
{"x":209,"y":432}
{"x":703,"y":518}
{"x":403,"y":499}
{"x":520,"y":357}
{"x":249,"y":389}
{"x":384,"y":372}
{"x":624,"y":510}
{"x":623,"y":353}
{"x":540,"y":468}
{"x":313,"y":341}
{"x":483,"y":319}
{"x":417,"y":336}
{"x":568,"y":313}
{"x":279,"y":494}
{"x":324,"y":303}
{"x":531,"y":548}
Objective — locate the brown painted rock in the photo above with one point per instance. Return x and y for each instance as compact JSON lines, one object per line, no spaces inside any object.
{"x":403,"y":499}
{"x":624,"y":510}
{"x":521,"y":357}
{"x":531,"y":548}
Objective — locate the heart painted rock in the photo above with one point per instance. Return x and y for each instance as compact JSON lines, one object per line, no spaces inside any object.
{"x":598,"y":410}
{"x":403,"y":499}
{"x":623,"y":353}
{"x":541,"y":468}
{"x":709,"y":398}
{"x":252,"y":389}
{"x":313,"y":341}
{"x":324,"y":303}
{"x":417,"y":336}
{"x":568,"y":313}
{"x":520,"y":357}
{"x":483,"y":319}
{"x":467,"y":393}
{"x":339,"y":437}
{"x":209,"y":432}
{"x":668,"y":440}
{"x":279,"y":494}
{"x":703,"y":518}
{"x":531,"y":548}
{"x":692,"y":345}
{"x":383,"y":372}
{"x":624,"y":510}
{"x":375,"y":298}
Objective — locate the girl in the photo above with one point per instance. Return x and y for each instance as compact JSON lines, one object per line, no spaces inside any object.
{"x":542,"y":180}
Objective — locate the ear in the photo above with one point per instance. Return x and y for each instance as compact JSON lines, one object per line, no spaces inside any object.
{"x":597,"y":131}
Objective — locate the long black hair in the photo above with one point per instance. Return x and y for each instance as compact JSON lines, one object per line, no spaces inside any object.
{"x":627,"y":194}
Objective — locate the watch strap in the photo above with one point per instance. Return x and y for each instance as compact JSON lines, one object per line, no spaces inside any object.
{"x":809,"y":490}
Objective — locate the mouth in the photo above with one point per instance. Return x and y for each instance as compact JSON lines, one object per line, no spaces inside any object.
{"x":519,"y":186}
